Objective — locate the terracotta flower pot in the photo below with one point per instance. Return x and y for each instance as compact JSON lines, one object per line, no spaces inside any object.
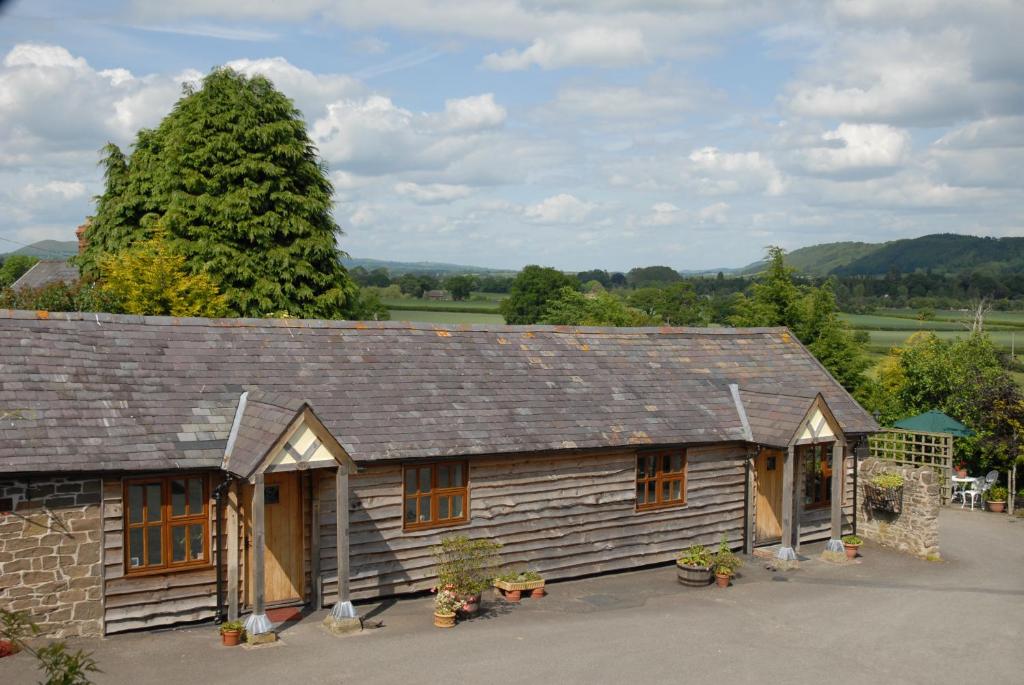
{"x":513,"y":595}
{"x":996,"y":507}
{"x":7,"y":648}
{"x":537,"y":593}
{"x":444,"y":620}
{"x":851,"y":551}
{"x":230,"y":638}
{"x":722,"y":579}
{"x":471,"y":605}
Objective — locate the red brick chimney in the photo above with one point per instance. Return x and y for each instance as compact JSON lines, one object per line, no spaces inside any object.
{"x":83,"y":242}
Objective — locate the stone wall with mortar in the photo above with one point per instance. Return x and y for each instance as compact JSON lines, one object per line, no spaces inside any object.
{"x":50,"y":541}
{"x":915,"y":530}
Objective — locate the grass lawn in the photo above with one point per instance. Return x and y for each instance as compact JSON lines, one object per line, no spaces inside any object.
{"x":479,"y":302}
{"x":438,"y":316}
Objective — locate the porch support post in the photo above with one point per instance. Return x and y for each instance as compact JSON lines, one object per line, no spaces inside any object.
{"x":835,"y":544}
{"x":316,"y":595}
{"x":786,"y":552}
{"x":258,"y":622}
{"x":343,"y":609}
{"x":234,"y":545}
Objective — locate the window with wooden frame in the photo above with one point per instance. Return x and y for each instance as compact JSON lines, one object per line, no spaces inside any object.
{"x":166,"y":523}
{"x":434,"y":495}
{"x":817,"y":465}
{"x":660,"y":479}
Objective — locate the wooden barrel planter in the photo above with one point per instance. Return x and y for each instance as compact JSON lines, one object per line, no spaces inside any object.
{"x":694,"y":576}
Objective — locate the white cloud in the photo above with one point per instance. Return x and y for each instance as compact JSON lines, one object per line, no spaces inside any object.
{"x":591,"y":46}
{"x":64,"y":190}
{"x":433,"y":193}
{"x":714,"y":214}
{"x":473,"y":113}
{"x":662,"y":214}
{"x":860,"y":149}
{"x":715,"y":172}
{"x":559,"y":209}
{"x":311,"y":92}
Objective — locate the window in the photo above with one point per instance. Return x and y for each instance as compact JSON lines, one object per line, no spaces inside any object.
{"x":166,"y":523}
{"x":435,"y":495}
{"x":660,"y":479}
{"x":817,"y":465}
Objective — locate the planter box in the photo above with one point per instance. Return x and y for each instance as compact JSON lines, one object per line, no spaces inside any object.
{"x":694,"y":576}
{"x":521,"y":586}
{"x":883,"y":499}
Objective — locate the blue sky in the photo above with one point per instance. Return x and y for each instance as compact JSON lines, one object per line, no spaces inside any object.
{"x":573,"y":133}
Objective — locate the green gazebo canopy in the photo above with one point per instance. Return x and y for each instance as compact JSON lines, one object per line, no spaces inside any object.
{"x":934,"y":422}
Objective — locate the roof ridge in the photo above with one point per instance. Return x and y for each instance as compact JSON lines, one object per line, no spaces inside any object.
{"x":344,"y":324}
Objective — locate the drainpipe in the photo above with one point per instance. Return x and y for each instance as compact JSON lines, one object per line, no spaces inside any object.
{"x":218,"y":497}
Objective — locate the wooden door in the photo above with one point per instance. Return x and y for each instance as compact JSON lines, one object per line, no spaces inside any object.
{"x":282,"y":560}
{"x":768,"y":505}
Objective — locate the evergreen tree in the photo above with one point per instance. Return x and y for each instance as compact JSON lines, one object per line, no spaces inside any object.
{"x":233,"y":177}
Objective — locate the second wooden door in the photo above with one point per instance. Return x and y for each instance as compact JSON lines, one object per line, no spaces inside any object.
{"x":282,"y":559}
{"x":768,"y":505}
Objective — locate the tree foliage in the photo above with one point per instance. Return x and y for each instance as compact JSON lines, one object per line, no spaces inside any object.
{"x":60,"y":665}
{"x":461,"y":286}
{"x":14,"y":267}
{"x":149,"y":278}
{"x":572,"y":308}
{"x":83,"y":295}
{"x":644,"y":276}
{"x":234,"y":179}
{"x":676,"y":304}
{"x":530,"y":292}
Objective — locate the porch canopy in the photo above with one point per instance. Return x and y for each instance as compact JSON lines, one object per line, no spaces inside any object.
{"x":776,"y":420}
{"x":275,"y":433}
{"x":934,"y":422}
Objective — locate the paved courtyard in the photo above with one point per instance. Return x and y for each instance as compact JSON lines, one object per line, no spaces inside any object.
{"x":888,"y":619}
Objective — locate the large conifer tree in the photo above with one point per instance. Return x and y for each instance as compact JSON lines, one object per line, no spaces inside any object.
{"x":233,"y":178}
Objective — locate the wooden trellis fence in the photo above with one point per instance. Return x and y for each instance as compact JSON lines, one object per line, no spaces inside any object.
{"x":910,"y":448}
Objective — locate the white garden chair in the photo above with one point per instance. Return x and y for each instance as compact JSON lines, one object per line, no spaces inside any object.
{"x":974,"y":492}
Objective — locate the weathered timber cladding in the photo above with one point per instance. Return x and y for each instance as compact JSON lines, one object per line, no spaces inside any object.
{"x":50,"y":553}
{"x":149,"y":601}
{"x":565,"y":516}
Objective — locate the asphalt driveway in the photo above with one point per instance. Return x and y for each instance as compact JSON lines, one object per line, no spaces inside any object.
{"x":888,"y":619}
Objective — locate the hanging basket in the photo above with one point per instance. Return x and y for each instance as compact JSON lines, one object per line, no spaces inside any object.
{"x":883,"y":499}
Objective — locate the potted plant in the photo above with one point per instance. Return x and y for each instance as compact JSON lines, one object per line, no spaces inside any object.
{"x":852,"y":543}
{"x":231,"y":633}
{"x":995,"y":497}
{"x":514,"y":583}
{"x":725,"y":563}
{"x":693,"y":567}
{"x":884,"y":492}
{"x":466,"y":566}
{"x":446,"y":602}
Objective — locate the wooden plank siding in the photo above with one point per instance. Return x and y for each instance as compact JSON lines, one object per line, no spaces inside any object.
{"x":564,"y":516}
{"x":149,"y":601}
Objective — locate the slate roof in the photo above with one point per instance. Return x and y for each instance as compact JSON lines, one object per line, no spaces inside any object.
{"x":109,"y":392}
{"x":774,"y":417}
{"x":45,"y":272}
{"x":261,"y":418}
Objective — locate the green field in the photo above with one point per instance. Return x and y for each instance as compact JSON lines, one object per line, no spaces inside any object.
{"x":439,"y":316}
{"x":892,"y":327}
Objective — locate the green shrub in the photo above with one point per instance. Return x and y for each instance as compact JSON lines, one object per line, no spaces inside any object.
{"x":997,"y":493}
{"x":887,"y":481}
{"x":231,"y":626}
{"x":695,"y":555}
{"x":519,"y":576}
{"x":466,"y":565}
{"x":724,"y":561}
{"x":852,"y":540}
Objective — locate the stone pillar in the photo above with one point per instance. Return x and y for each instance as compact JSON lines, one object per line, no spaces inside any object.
{"x":786,"y":552}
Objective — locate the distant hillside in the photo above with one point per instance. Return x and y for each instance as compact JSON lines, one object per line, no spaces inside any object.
{"x":821,"y":260}
{"x":943,"y":253}
{"x":418,"y":267}
{"x":47,"y":249}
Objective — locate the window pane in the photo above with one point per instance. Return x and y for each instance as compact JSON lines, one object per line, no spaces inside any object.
{"x":154,"y":502}
{"x":641,"y":471}
{"x":666,"y":463}
{"x":442,"y":508}
{"x":410,"y":481}
{"x":677,"y":489}
{"x":154,"y":546}
{"x":195,"y":541}
{"x":458,"y":481}
{"x":178,"y":500}
{"x":425,"y":479}
{"x":135,"y":505}
{"x":457,"y":506}
{"x":410,"y":510}
{"x":177,"y":543}
{"x":195,"y":496}
{"x":135,"y":546}
{"x":442,"y":477}
{"x":641,"y":490}
{"x":664,"y":491}
{"x":677,"y":462}
{"x":424,"y":509}
{"x":652,"y":492}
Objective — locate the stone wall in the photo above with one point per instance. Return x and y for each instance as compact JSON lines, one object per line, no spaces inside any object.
{"x":50,"y":540}
{"x":915,"y":530}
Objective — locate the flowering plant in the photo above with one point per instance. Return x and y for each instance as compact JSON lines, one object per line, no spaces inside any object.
{"x":447,"y":600}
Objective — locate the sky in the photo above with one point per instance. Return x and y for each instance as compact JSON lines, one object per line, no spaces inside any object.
{"x":570,"y":133}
